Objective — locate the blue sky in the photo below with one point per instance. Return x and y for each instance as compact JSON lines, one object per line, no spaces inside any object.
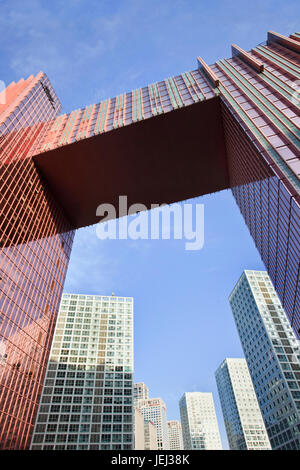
{"x":95,"y":49}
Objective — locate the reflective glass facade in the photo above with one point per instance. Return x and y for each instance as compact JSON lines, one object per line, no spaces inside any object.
{"x":249,"y":98}
{"x":36,"y":240}
{"x":87,"y":399}
{"x":272,"y":353}
{"x":123,"y":110}
{"x":261,"y":126}
{"x":259,"y":105}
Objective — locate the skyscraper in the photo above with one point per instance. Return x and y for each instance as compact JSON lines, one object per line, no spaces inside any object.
{"x":243,"y":110}
{"x":200,"y":428}
{"x":87,"y":398}
{"x":273,"y":356}
{"x":145,"y":433}
{"x":140,"y":392}
{"x":139,"y":431}
{"x":175,"y":435}
{"x":154,"y":410}
{"x":242,"y":416}
{"x":35,"y":244}
{"x":150,"y":434}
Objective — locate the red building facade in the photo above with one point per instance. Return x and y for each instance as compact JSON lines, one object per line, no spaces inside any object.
{"x":234,"y":124}
{"x":36,"y":240}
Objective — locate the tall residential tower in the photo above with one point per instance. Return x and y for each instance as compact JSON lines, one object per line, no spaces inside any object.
{"x":87,"y":398}
{"x":199,"y":422}
{"x":175,"y":435}
{"x":273,"y":356}
{"x":242,"y":416}
{"x":145,"y":433}
{"x":140,"y":392}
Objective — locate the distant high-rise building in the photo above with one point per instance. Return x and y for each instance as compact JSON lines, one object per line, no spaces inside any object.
{"x":272,"y":353}
{"x":242,"y":416}
{"x":154,"y":409}
{"x":144,"y":432}
{"x":200,"y":428}
{"x":175,"y":435}
{"x":139,"y":430}
{"x":147,"y":431}
{"x":87,"y":398}
{"x":140,"y":392}
{"x":150,"y":434}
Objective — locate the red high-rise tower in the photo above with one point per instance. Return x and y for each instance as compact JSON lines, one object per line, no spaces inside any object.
{"x":36,"y":239}
{"x":234,"y":124}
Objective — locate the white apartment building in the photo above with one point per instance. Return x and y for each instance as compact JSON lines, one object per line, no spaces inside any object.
{"x":140,"y":392}
{"x":87,"y":397}
{"x":272,"y":353}
{"x":144,"y":432}
{"x":200,"y":428}
{"x":242,"y":416}
{"x":150,"y":436}
{"x":139,"y":432}
{"x":175,"y":435}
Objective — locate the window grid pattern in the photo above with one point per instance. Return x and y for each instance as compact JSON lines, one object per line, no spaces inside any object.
{"x":261,"y":133}
{"x":35,"y":244}
{"x":270,"y":211}
{"x":200,"y":428}
{"x":87,"y":399}
{"x":244,"y":424}
{"x":272,"y":353}
{"x":154,"y":410}
{"x":259,"y":110}
{"x":175,"y":435}
{"x":158,"y":98}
